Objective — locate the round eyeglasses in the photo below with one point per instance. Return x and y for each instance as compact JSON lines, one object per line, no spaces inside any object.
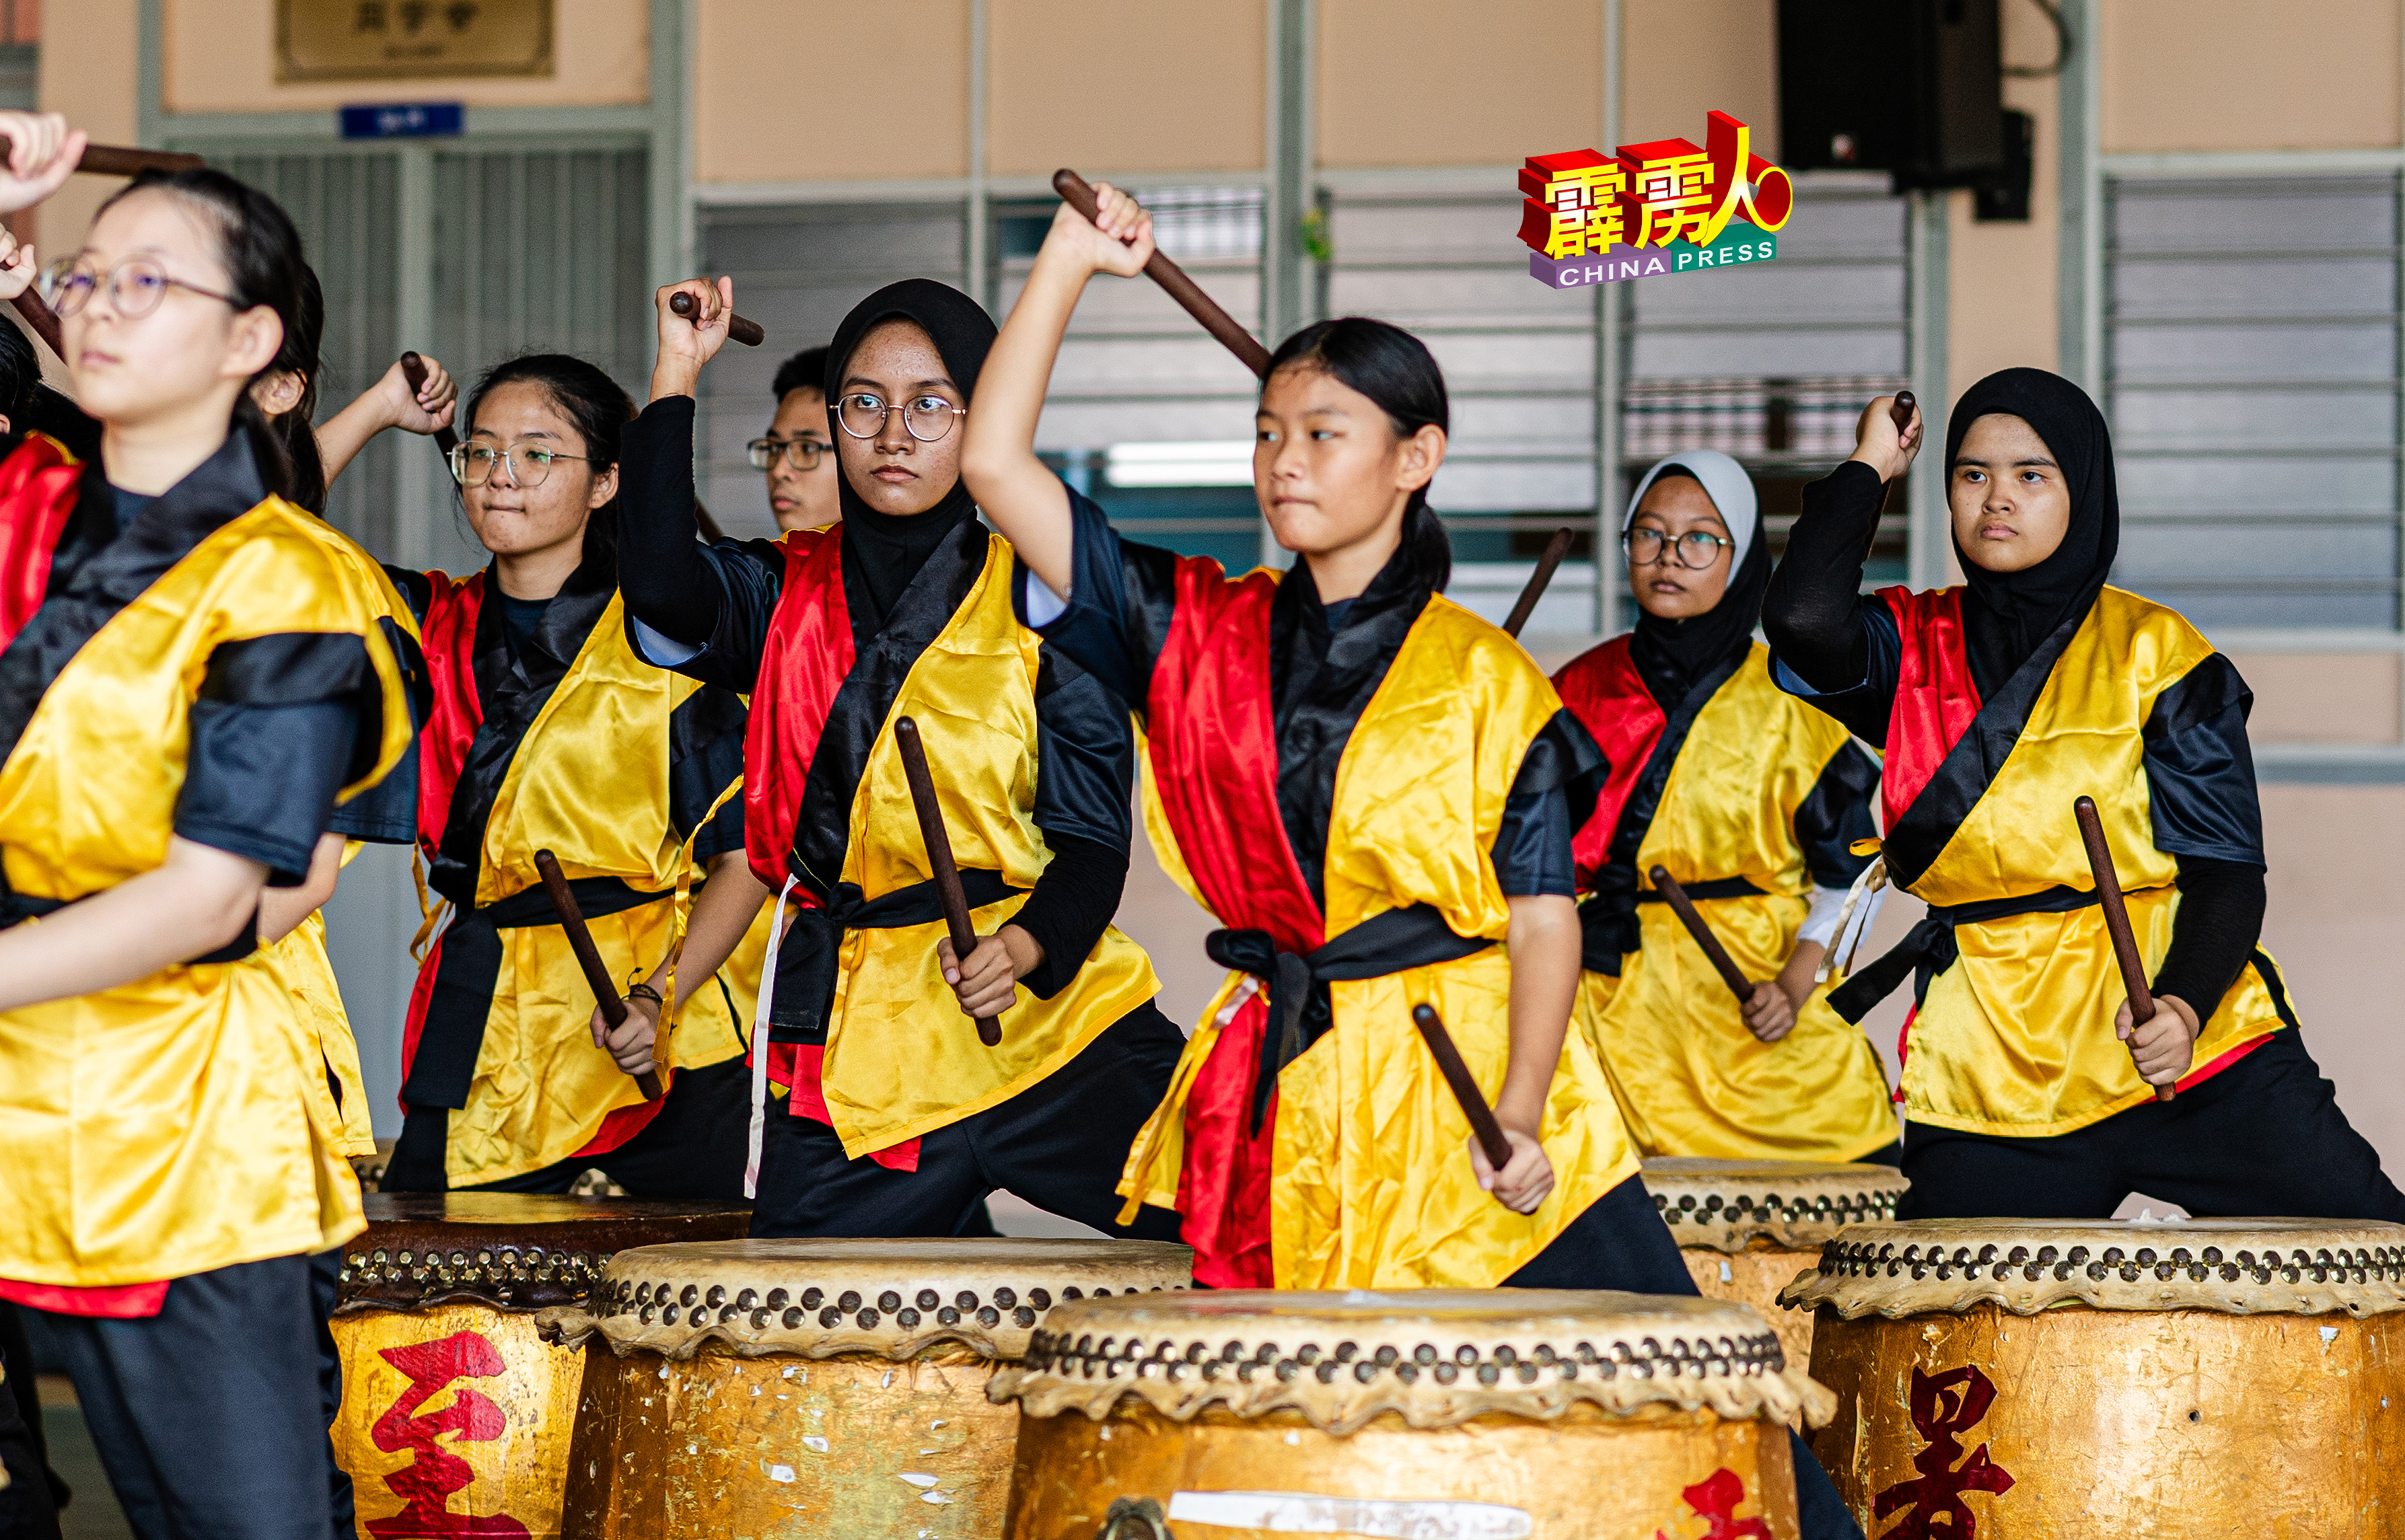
{"x":136,"y":285}
{"x":1696,"y":549}
{"x":472,"y":463}
{"x":801,"y":454}
{"x":926,"y":419}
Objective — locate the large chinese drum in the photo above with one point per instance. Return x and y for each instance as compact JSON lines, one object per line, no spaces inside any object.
{"x":456,"y":1413}
{"x":1487,"y":1415}
{"x":829,"y":1388}
{"x":1747,"y":1227}
{"x":2042,"y":1378}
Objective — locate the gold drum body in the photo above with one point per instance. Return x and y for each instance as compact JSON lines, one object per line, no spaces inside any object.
{"x":837,"y":1388}
{"x":1498,"y":1415}
{"x":2210,"y":1376}
{"x":1747,"y":1227}
{"x":455,"y":1409}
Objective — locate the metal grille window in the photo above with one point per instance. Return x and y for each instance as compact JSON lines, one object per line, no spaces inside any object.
{"x":797,"y":271}
{"x":2252,"y":382}
{"x":1772,"y":364}
{"x":1146,"y":412}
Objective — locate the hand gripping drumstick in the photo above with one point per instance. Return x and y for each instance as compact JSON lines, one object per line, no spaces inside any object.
{"x":1684,"y":907}
{"x":738,"y":329}
{"x":940,"y":858}
{"x":588,"y":956}
{"x":1465,"y":1089}
{"x":1555,"y":548}
{"x":412,"y":369}
{"x":1169,"y":275}
{"x":2117,"y":921}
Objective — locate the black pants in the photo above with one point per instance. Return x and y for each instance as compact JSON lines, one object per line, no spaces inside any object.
{"x":1060,"y":1145}
{"x":29,"y":1507}
{"x":693,"y":1149}
{"x":208,"y":1416}
{"x":325,"y":1289}
{"x":1620,"y":1242}
{"x":2263,"y":1137}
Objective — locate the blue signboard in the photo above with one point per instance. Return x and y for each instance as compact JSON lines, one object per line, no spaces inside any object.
{"x":404,"y":120}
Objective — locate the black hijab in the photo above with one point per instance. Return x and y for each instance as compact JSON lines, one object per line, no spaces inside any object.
{"x":2008,"y":616}
{"x":892,"y":547}
{"x":1671,"y":656}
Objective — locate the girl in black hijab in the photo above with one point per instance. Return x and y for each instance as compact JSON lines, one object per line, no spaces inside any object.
{"x":1998,"y":704}
{"x":1751,"y":800}
{"x":876,"y":1108}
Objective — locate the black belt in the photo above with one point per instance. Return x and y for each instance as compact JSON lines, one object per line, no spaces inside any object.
{"x":1607,"y":928}
{"x":803,"y":990}
{"x":1416,"y":936}
{"x":1928,"y":948}
{"x":469,"y":968}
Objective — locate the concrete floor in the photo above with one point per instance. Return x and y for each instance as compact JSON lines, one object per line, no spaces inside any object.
{"x":92,"y":1514}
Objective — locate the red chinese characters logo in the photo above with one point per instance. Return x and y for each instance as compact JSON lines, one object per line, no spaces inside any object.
{"x":1714,"y":1500}
{"x":427,"y":1483}
{"x":1944,"y":1406}
{"x":1579,"y":203}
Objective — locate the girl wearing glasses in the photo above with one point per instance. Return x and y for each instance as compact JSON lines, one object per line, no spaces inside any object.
{"x":1750,"y":801}
{"x":876,"y":1110}
{"x":195,"y":671}
{"x":796,"y":452}
{"x":547,"y":733}
{"x":2027,"y":1088}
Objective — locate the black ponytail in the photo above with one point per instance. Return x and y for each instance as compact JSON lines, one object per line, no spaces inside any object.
{"x":595,"y":405}
{"x":296,"y":429}
{"x":1394,"y":369}
{"x":261,"y":252}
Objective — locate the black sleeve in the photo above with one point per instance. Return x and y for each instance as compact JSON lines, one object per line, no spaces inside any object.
{"x":2219,"y":921}
{"x":1122,"y":596}
{"x":718,"y":596}
{"x":2199,"y":771}
{"x":1085,"y":781}
{"x":705,"y":756}
{"x":1551,"y":796}
{"x":1812,"y":613}
{"x":282,"y":724}
{"x":1837,"y":813}
{"x":386,"y":812}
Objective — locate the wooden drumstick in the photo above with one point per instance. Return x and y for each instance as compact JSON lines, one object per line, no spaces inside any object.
{"x":1901,"y":410}
{"x":588,"y":956}
{"x":1465,"y":1089}
{"x":124,"y":160}
{"x":939,"y":857}
{"x":2117,"y":922}
{"x":1075,"y":192}
{"x":1684,"y":907}
{"x":738,"y":329}
{"x":412,"y":369}
{"x":43,"y":320}
{"x":1525,"y":606}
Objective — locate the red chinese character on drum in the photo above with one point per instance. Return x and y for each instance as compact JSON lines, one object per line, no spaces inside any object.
{"x":1714,"y":1500}
{"x":428,"y":1481}
{"x":1944,"y":1406}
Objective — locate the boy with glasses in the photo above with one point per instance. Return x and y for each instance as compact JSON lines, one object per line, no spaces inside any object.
{"x":801,"y":477}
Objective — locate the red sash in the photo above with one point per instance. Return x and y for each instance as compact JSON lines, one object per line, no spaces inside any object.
{"x":1215,"y":763}
{"x":38,"y":491}
{"x":1935,"y":699}
{"x":1603,"y":690}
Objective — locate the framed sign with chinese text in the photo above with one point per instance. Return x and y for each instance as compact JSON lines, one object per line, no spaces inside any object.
{"x":410,"y":39}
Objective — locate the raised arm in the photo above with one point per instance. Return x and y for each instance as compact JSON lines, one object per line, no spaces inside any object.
{"x":1012,"y":487}
{"x":668,"y":583}
{"x":1811,"y":613}
{"x":388,"y":403}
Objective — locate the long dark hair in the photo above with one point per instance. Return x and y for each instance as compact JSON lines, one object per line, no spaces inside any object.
{"x":297,"y":428}
{"x":261,"y":252}
{"x":1394,"y":369}
{"x":595,"y":405}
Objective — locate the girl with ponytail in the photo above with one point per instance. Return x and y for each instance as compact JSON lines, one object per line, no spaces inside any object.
{"x":193,"y":671}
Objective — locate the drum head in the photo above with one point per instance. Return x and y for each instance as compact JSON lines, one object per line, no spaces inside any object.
{"x":1436,"y":1356}
{"x":1799,"y":1205}
{"x":512,"y":1251}
{"x":2244,"y":1266}
{"x":896,"y":1299}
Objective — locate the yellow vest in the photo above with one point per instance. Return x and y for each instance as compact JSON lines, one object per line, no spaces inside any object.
{"x":164,"y":1128}
{"x":1692,"y":1079}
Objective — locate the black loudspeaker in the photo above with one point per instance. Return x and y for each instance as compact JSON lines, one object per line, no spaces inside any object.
{"x":1913,"y":87}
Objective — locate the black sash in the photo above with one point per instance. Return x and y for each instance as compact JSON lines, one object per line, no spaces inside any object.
{"x":470,"y":970}
{"x":1928,"y":948}
{"x":1414,"y":936}
{"x":804,"y":989}
{"x":1607,"y":928}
